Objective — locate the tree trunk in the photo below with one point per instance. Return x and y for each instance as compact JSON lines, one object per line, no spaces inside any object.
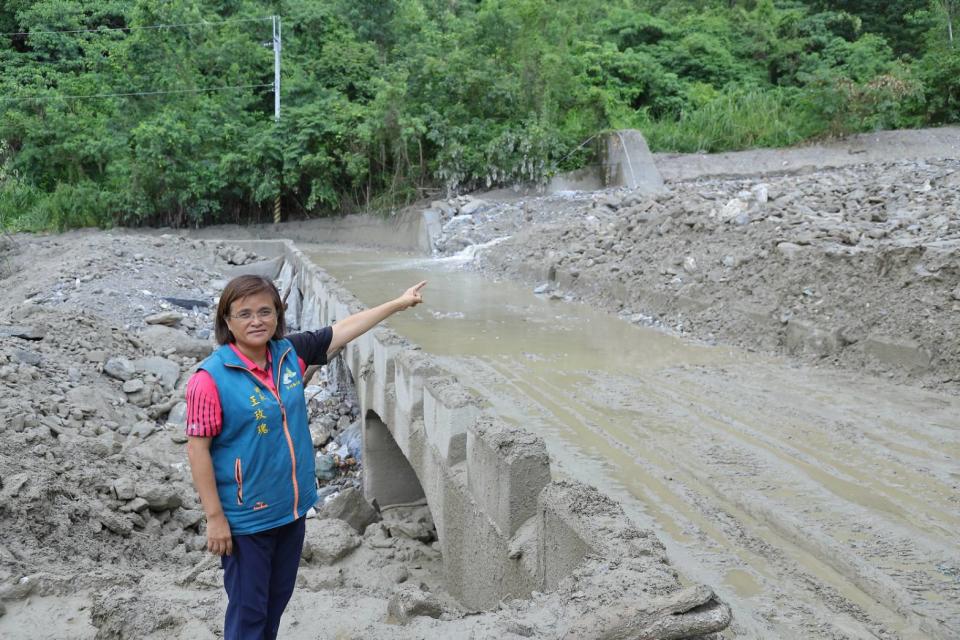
{"x":949,"y":9}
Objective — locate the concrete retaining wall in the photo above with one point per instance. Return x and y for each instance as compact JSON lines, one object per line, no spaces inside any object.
{"x":505,"y":529}
{"x":406,"y":231}
{"x":880,"y":146}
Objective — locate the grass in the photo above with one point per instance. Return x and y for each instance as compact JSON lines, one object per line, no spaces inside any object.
{"x":734,"y":121}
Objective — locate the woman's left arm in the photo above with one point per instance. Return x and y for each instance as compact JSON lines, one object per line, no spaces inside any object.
{"x":358,"y":324}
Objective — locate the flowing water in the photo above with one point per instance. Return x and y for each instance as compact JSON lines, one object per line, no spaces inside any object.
{"x":817,"y":504}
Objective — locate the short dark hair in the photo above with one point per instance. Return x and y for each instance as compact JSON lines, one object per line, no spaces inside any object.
{"x":242,"y":287}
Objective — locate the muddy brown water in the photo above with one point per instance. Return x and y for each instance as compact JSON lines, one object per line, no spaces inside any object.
{"x":817,"y":504}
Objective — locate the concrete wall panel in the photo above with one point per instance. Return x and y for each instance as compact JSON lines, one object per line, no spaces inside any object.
{"x":448,"y":409}
{"x":507,"y":468}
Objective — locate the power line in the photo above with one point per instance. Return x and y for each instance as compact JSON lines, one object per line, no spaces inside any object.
{"x":151,"y":26}
{"x":138,"y":93}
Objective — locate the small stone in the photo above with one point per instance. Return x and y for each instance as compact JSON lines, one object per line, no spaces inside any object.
{"x":119,"y":368}
{"x":115,"y":523}
{"x":133,"y":386}
{"x":396,"y":573}
{"x":26,"y":333}
{"x":143,"y":429}
{"x":733,"y":209}
{"x":789,"y":250}
{"x":136,"y":505}
{"x":956,"y":293}
{"x":159,"y":497}
{"x":167,"y":340}
{"x":473,"y":206}
{"x":27,"y":357}
{"x":351,"y":507}
{"x":412,"y":531}
{"x":760,"y":193}
{"x":178,"y":415}
{"x":125,"y":488}
{"x":409,"y":602}
{"x":188,"y":517}
{"x":168,"y":318}
{"x":163,"y":369}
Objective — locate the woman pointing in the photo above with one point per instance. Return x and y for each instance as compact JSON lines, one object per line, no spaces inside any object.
{"x":249,"y":444}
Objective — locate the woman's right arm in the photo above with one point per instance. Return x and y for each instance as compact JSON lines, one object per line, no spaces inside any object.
{"x":219,"y":540}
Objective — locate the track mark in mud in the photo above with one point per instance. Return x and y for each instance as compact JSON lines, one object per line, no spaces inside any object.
{"x":686,"y":508}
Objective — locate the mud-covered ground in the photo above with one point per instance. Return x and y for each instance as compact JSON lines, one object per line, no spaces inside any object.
{"x":103,"y":536}
{"x":102,"y":532}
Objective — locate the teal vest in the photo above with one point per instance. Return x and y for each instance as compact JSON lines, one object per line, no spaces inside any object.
{"x":263,"y":458}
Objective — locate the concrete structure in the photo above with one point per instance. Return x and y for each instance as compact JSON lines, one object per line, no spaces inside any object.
{"x":505,"y":529}
{"x":879,"y":146}
{"x":630,"y":164}
{"x":408,"y":230}
{"x":626,"y":162}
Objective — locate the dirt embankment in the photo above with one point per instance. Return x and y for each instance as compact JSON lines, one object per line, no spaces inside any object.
{"x":857,"y":267}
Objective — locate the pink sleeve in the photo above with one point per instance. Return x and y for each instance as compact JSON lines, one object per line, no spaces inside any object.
{"x":303,"y":366}
{"x":204,"y":415}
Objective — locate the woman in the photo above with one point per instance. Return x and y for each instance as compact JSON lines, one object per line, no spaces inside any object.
{"x":250,"y":449}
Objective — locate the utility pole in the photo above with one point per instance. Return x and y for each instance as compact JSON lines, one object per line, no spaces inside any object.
{"x":276,"y":107}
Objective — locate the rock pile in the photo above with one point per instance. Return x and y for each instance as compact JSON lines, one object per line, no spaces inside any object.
{"x":92,"y":472}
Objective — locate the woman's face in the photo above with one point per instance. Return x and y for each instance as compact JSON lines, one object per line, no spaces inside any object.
{"x":253,"y":320}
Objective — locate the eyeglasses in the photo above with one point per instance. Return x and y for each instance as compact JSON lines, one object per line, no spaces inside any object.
{"x":263,"y":314}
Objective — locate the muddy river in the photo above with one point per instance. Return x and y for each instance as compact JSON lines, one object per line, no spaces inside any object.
{"x":818,"y":504}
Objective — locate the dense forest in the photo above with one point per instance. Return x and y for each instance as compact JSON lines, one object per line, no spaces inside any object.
{"x":139,"y":112}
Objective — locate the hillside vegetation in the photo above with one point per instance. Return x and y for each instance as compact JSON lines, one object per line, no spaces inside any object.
{"x":105,"y":119}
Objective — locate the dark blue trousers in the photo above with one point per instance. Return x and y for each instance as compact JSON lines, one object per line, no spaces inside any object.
{"x":259,"y":578}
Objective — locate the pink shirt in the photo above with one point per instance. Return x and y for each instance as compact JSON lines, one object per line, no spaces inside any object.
{"x":204,"y":414}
